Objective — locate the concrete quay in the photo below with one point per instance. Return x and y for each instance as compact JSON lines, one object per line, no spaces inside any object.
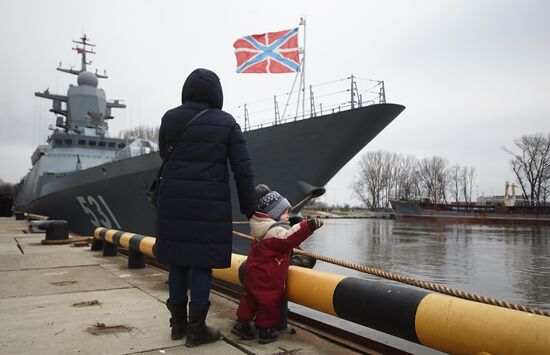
{"x":65,"y":299}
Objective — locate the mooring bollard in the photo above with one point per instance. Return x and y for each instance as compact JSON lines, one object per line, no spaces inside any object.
{"x":109,"y":239}
{"x":57,"y":231}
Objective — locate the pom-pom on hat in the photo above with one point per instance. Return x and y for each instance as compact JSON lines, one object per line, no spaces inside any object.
{"x":271,"y":202}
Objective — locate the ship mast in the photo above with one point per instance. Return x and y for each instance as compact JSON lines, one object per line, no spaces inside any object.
{"x":302,"y":83}
{"x":303,"y":74}
{"x":91,"y":108}
{"x":84,"y":42}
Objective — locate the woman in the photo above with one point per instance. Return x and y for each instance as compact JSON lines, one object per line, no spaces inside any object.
{"x":194,"y":219}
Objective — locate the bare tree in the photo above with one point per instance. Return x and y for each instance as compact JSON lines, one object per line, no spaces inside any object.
{"x":460,"y":182}
{"x":368,"y":186}
{"x":5,"y":188}
{"x":142,"y":132}
{"x":384,"y":175}
{"x":432,"y":173}
{"x":467,"y":177}
{"x":390,"y":177}
{"x":404,"y":180}
{"x":532,"y":166}
{"x":454,"y":181}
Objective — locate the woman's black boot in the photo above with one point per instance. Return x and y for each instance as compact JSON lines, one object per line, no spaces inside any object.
{"x":197,"y":331}
{"x":178,"y":321}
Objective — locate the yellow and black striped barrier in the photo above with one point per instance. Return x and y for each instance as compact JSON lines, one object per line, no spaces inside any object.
{"x":138,"y":245}
{"x":438,"y":321}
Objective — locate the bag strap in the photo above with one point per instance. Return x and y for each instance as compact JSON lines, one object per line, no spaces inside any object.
{"x":171,"y":146}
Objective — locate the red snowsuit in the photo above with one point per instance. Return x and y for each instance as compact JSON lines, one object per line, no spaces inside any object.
{"x":266,"y":268}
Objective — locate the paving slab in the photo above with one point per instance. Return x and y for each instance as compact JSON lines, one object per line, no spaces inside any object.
{"x":11,"y":226}
{"x":60,"y":299}
{"x":125,"y":321}
{"x":34,"y":255}
{"x":9,"y":247}
{"x":37,"y":282}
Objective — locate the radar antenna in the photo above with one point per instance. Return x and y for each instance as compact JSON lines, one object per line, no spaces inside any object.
{"x":86,"y":47}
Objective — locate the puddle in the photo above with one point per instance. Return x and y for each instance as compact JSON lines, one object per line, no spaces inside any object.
{"x":63,"y":283}
{"x":55,"y":273}
{"x":87,"y":303}
{"x":80,"y":244}
{"x":101,"y":328}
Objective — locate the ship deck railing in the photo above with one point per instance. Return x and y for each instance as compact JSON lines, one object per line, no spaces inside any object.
{"x":315,"y":101}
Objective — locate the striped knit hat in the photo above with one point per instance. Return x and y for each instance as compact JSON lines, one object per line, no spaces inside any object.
{"x":271,"y":202}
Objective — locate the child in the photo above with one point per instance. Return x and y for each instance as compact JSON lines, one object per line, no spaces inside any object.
{"x":267,"y":264}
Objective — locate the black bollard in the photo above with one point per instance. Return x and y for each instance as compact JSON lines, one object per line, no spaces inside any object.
{"x":97,"y":245}
{"x":56,"y":229}
{"x":136,"y":259}
{"x":109,"y":249}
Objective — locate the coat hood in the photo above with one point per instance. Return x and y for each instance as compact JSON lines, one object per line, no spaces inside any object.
{"x":260,"y":224}
{"x":203,"y":85}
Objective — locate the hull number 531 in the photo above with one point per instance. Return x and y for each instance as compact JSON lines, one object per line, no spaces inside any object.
{"x":99,"y":212}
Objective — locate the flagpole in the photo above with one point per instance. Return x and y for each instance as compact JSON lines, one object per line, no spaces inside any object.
{"x":303,"y":75}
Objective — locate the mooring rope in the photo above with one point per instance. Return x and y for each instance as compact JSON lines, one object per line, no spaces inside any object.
{"x":415,"y":282}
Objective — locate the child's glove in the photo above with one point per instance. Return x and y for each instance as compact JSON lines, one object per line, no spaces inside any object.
{"x":314,"y":223}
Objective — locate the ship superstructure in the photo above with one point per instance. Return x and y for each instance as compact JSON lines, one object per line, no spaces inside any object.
{"x":81,"y":137}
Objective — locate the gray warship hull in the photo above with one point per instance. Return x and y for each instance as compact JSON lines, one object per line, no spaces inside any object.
{"x":115,"y":194}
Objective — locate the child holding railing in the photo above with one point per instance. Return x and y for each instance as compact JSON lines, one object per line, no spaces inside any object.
{"x":267,"y":264}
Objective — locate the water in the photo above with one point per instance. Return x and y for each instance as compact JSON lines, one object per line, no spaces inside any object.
{"x":510,"y":263}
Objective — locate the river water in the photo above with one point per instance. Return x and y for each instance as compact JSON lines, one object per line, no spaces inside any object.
{"x":510,"y":263}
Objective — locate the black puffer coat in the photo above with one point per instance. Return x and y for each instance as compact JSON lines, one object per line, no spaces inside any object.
{"x":194,"y":221}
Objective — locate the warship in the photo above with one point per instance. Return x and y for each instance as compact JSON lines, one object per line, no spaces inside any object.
{"x":85,"y":176}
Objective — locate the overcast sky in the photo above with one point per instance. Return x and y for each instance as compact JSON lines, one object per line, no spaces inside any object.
{"x":474,"y":75}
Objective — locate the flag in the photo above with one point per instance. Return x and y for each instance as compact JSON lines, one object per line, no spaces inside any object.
{"x":272,"y":52}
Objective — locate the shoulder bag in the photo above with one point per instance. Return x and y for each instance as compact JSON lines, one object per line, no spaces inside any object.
{"x":155,"y":185}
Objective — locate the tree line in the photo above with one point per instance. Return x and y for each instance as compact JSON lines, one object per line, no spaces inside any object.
{"x":7,"y":193}
{"x":383,"y":175}
{"x":531,"y":166}
{"x":141,"y":132}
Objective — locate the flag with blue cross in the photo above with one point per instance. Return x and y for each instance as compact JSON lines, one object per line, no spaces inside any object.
{"x":272,"y":52}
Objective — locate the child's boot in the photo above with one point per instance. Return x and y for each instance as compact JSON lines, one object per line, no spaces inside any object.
{"x":267,"y":335}
{"x":242,"y":329}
